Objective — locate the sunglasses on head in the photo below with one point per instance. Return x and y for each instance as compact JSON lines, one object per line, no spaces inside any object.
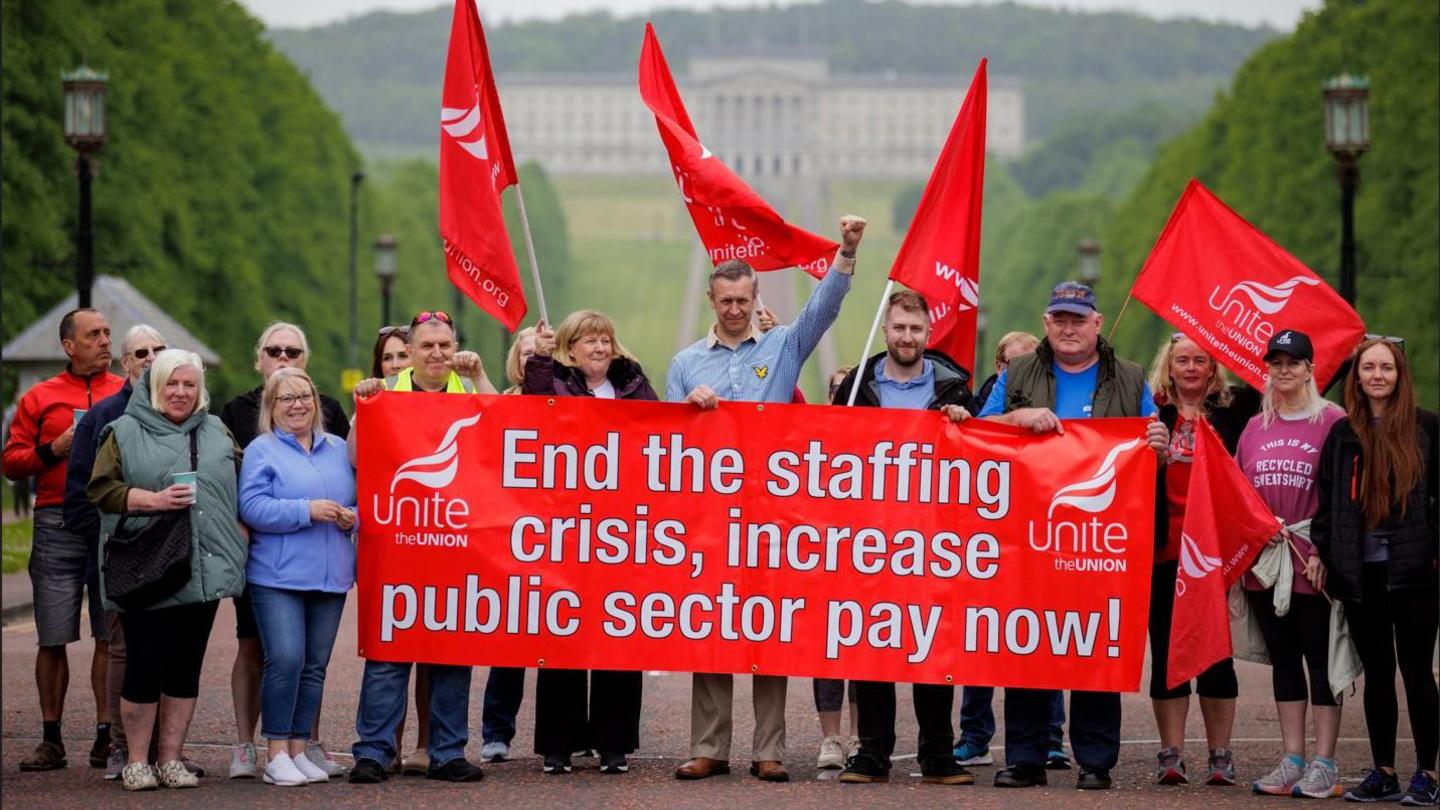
{"x":438,"y":315}
{"x":289,"y":351}
{"x":141,"y":354}
{"x":387,"y":331}
{"x":1397,"y":342}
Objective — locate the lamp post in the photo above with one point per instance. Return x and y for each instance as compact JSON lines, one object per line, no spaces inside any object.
{"x":355,"y":180}
{"x":981,"y":322}
{"x":85,"y":132}
{"x":1347,"y":136}
{"x":1088,"y":251}
{"x":385,"y":266}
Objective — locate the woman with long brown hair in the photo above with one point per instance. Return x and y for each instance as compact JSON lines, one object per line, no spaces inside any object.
{"x":1376,"y":529}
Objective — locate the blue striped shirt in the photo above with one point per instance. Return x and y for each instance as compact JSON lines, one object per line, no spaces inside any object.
{"x":763,"y":368}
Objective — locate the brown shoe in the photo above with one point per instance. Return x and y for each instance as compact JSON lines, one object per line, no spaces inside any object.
{"x":702,"y":768}
{"x":769,"y":770}
{"x":48,"y":756}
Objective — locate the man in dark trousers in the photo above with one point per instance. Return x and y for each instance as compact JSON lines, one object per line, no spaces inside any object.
{"x":907,"y":375}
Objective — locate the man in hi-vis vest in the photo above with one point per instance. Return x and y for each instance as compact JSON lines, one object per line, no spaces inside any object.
{"x":436,"y":366}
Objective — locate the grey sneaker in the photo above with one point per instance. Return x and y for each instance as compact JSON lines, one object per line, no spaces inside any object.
{"x":242,"y":762}
{"x":320,"y":758}
{"x":494,"y":751}
{"x":1279,"y":781}
{"x":115,"y":764}
{"x":1170,"y":768}
{"x":1320,"y":781}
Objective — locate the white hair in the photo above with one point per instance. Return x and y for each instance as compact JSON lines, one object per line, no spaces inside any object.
{"x":164,"y":367}
{"x":135,"y":333}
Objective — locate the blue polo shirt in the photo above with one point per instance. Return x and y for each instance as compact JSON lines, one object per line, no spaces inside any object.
{"x":1074,"y":391}
{"x":911,"y":394}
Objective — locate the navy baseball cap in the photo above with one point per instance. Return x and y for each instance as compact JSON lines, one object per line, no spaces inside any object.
{"x":1071,"y":296}
{"x":1296,"y":344}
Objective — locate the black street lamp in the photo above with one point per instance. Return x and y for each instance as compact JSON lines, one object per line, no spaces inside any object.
{"x":355,"y":180}
{"x":85,"y":132}
{"x":1088,"y":251}
{"x":1347,"y":136}
{"x":385,"y":266}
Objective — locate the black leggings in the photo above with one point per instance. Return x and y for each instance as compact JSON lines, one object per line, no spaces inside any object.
{"x":164,"y":651}
{"x":1216,"y":682}
{"x":562,"y":723}
{"x":1297,"y":640}
{"x":1390,"y":626}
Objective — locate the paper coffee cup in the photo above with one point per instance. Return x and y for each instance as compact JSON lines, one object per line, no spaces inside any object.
{"x":185,"y":478}
{"x":79,"y":414}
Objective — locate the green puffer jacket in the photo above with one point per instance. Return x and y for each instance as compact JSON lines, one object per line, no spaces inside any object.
{"x":150,"y":447}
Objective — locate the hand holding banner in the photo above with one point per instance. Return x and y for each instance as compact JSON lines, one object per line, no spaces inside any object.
{"x":1230,"y":288}
{"x":779,"y":539}
{"x":732,"y":220}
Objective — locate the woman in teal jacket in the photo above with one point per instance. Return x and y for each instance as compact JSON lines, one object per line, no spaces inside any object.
{"x":139,"y":454}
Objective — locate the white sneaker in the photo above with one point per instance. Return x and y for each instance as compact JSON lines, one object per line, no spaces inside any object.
{"x":281,"y":770}
{"x":313,"y":773}
{"x":244,"y":762}
{"x":495,"y":751}
{"x":832,"y":754}
{"x":173,"y":774}
{"x":852,"y":746}
{"x":138,"y":776}
{"x":320,"y":758}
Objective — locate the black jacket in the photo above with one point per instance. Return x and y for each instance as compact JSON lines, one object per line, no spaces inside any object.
{"x":1338,"y":528}
{"x":81,"y":516}
{"x":242,"y":416}
{"x":549,"y":377}
{"x":952,"y":383}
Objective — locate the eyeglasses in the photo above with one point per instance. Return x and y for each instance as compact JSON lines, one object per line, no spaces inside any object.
{"x":142,"y":353}
{"x":1398,"y":342}
{"x":289,"y":351}
{"x":291,"y":399}
{"x":438,"y":315}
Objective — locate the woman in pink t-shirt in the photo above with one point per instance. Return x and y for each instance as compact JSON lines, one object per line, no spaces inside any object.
{"x":1279,"y":451}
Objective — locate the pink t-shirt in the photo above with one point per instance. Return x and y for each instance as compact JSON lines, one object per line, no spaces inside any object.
{"x":1281,"y":461}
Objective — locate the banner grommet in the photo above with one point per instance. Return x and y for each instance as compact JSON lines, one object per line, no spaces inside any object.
{"x":540,"y":662}
{"x":550,"y":401}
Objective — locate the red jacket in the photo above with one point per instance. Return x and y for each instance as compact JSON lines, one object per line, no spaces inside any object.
{"x":43,"y":413}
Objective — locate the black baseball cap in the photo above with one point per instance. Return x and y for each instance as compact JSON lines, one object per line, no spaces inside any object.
{"x":1296,"y":344}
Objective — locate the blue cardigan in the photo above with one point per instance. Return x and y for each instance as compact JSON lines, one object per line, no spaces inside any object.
{"x":278,"y":480}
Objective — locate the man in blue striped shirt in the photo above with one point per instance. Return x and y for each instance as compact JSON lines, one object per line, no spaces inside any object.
{"x":736,"y":362}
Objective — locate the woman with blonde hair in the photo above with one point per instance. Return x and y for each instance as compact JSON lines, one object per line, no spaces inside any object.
{"x":521,"y":350}
{"x":165,"y":454}
{"x":1278,"y":452}
{"x":1376,"y":529}
{"x":1189,"y":386}
{"x":297,"y":495}
{"x":584,"y":358}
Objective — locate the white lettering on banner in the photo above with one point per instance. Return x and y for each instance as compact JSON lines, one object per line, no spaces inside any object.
{"x":754,"y":246}
{"x":969,"y":290}
{"x":484,"y":608}
{"x":1247,"y":303}
{"x":468,"y":266}
{"x":1069,"y":633}
{"x":1093,"y":495}
{"x":883,"y":627}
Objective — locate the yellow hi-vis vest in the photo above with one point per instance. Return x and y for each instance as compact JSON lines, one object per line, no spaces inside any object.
{"x":403,"y":382}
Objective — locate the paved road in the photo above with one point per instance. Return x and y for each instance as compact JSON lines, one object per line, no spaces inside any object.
{"x":664,"y":738}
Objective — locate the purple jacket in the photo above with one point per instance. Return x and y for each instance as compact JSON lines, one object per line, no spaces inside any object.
{"x":546,"y":377}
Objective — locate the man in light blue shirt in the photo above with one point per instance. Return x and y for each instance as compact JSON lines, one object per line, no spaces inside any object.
{"x":736,"y":362}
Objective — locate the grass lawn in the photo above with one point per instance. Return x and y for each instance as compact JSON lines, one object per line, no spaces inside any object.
{"x":16,"y":546}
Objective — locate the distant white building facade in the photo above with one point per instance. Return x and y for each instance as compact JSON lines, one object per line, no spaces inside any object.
{"x":766,"y":116}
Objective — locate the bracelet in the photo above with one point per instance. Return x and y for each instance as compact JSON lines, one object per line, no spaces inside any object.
{"x":845,"y":255}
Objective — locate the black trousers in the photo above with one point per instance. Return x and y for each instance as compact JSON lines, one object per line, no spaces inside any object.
{"x":165,"y":649}
{"x":1391,"y":627}
{"x":1216,"y":682}
{"x":1297,"y":641}
{"x":1094,"y":727}
{"x":875,"y":711}
{"x":563,"y":725}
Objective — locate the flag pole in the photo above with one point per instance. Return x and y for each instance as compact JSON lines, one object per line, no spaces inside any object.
{"x":1123,"y":307}
{"x":530,"y":249}
{"x":874,"y":327}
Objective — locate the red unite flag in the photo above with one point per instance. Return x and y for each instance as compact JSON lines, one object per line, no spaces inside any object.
{"x":1226,"y":526}
{"x":475,"y":166}
{"x":732,"y":220}
{"x":1230,"y":288}
{"x":940,"y":258}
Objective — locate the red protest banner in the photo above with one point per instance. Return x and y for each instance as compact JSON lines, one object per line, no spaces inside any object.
{"x":1230,"y":288}
{"x":940,"y":257}
{"x":732,"y":220}
{"x":475,"y":166}
{"x":778,"y":539}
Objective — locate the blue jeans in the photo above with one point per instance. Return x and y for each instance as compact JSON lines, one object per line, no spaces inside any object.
{"x":977,"y":718}
{"x":297,"y":633}
{"x":504,"y":690}
{"x":1094,"y":726}
{"x":383,"y":692}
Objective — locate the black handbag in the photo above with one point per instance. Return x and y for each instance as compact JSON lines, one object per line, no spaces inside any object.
{"x":147,"y":557}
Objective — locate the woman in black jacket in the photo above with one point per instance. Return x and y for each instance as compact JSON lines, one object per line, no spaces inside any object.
{"x":1376,"y":530}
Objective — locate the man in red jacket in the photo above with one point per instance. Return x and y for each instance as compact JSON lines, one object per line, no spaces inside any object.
{"x":39,"y":446}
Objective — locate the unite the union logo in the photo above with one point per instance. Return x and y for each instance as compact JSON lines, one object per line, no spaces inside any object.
{"x":1097,"y":544}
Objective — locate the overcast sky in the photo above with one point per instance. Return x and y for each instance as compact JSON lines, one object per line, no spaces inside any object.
{"x":1282,"y":14}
